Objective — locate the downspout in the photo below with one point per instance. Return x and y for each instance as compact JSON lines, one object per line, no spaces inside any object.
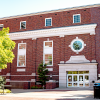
{"x":35,"y":60}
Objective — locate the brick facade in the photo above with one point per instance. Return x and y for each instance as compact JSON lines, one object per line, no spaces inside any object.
{"x":61,"y":49}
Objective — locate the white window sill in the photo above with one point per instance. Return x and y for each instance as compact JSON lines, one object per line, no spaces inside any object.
{"x":21,"y":66}
{"x":49,"y":65}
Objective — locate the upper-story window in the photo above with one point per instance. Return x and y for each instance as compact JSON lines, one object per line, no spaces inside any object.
{"x":76,"y":18}
{"x":48,"y":21}
{"x":21,"y":61}
{"x":1,"y":26}
{"x":23,"y":25}
{"x":48,"y":53}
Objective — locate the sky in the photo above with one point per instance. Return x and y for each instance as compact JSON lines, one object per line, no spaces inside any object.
{"x":20,"y":7}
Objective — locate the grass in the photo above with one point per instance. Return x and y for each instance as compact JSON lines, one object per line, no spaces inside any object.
{"x":5,"y":91}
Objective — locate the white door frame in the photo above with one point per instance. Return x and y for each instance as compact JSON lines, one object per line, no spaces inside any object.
{"x":78,"y":80}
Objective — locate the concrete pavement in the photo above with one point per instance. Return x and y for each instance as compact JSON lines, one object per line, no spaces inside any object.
{"x":50,"y":94}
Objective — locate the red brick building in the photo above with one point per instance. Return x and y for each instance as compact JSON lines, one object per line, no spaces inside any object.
{"x":67,"y":40}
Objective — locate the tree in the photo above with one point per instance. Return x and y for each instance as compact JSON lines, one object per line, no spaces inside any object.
{"x":42,"y":71}
{"x":6,"y":47}
{"x":2,"y":81}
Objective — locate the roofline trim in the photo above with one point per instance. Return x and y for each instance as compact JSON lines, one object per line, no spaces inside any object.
{"x":52,"y":11}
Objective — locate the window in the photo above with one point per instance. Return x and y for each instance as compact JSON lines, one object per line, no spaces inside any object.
{"x":1,"y":26}
{"x":23,"y":25}
{"x":21,"y":55}
{"x":48,"y":53}
{"x":77,"y":45}
{"x":48,"y":21}
{"x":76,"y":18}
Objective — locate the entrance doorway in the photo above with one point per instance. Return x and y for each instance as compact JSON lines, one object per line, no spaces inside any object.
{"x":78,"y":79}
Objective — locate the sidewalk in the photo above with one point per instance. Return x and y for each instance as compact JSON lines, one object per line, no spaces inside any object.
{"x":50,"y":94}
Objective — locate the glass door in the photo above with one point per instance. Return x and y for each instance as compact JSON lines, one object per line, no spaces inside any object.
{"x":75,"y":81}
{"x":78,"y":79}
{"x":69,"y":77}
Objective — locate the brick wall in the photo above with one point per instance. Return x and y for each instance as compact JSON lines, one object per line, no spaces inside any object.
{"x":59,"y":19}
{"x":61,"y":52}
{"x":61,"y":49}
{"x":95,"y":18}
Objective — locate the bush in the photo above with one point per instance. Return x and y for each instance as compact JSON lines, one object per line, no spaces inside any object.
{"x":5,"y":91}
{"x":35,"y":87}
{"x":2,"y":81}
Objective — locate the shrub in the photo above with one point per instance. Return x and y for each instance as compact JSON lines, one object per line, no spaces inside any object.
{"x":2,"y":81}
{"x":5,"y":91}
{"x":35,"y":87}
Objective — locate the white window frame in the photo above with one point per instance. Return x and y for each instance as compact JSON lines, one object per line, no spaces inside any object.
{"x":76,"y":15}
{"x":46,"y":19}
{"x":77,"y":39}
{"x":2,"y":25}
{"x":20,"y":25}
{"x":18,"y":56}
{"x":44,"y":53}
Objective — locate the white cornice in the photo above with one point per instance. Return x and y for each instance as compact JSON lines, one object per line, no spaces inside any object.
{"x":72,"y":30}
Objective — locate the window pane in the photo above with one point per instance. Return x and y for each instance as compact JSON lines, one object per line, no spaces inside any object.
{"x":48,"y":44}
{"x":77,"y":45}
{"x":69,"y":84}
{"x":1,"y":26}
{"x":23,"y":25}
{"x":69,"y":72}
{"x":75,"y":84}
{"x":48,"y":59}
{"x":21,"y":57}
{"x":74,"y":78}
{"x":21,"y":60}
{"x":48,"y":22}
{"x":69,"y":78}
{"x":76,"y":18}
{"x":86,"y":84}
{"x":86,"y":78}
{"x":80,"y":72}
{"x":80,"y":78}
{"x":21,"y":63}
{"x":22,"y":46}
{"x":81,"y":84}
{"x":86,"y":72}
{"x":75,"y":72}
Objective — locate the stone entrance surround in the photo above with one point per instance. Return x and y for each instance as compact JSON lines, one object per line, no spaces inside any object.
{"x":77,"y":63}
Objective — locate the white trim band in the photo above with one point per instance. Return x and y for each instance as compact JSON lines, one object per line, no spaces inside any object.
{"x":72,"y":30}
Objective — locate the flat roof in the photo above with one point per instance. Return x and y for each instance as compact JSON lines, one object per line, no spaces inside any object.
{"x":51,"y":11}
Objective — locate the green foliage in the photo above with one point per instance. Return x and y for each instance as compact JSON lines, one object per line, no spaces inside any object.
{"x":6,"y":47}
{"x":2,"y":81}
{"x":42,"y":71}
{"x":35,"y":87}
{"x":5,"y":91}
